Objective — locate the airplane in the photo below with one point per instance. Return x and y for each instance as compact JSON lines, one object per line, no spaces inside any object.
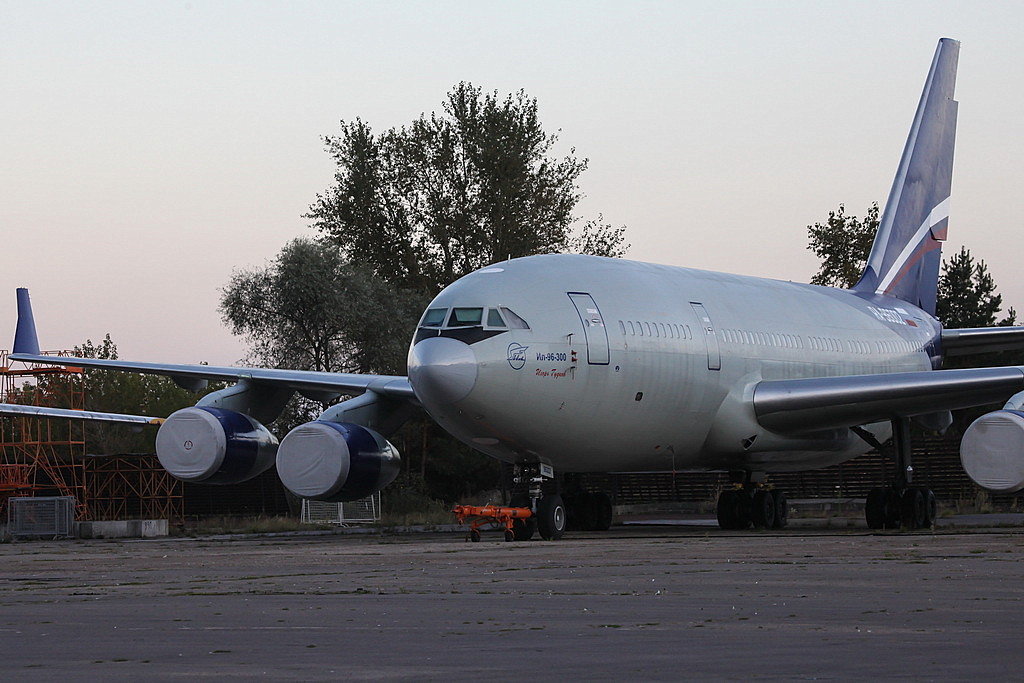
{"x":563,"y":364}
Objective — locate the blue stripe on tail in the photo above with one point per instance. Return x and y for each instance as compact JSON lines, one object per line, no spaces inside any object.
{"x":907,"y":252}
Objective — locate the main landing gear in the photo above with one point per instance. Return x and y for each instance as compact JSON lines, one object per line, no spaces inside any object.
{"x":901,"y":505}
{"x":754,"y":505}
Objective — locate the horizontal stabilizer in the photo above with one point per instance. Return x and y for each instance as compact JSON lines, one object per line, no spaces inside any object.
{"x":969,"y":341}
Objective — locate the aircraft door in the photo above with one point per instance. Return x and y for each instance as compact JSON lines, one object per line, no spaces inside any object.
{"x":593,"y":328}
{"x":710,"y":336}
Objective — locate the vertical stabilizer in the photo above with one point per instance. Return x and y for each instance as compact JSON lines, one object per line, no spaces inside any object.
{"x":907,"y":252}
{"x":25,"y":339}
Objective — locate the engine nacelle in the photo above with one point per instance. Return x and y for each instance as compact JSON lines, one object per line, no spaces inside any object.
{"x":209,"y":445}
{"x":992,"y":451}
{"x":336,"y":461}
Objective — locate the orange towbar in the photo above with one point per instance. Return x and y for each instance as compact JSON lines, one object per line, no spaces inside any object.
{"x":492,"y":515}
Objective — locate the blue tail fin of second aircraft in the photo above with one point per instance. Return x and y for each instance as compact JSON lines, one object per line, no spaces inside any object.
{"x":907,"y":252}
{"x":25,"y":339}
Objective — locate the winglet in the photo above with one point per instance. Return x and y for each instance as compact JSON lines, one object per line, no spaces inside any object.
{"x":25,"y":339}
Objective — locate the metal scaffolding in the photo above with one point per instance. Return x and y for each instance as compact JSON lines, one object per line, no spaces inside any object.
{"x":39,"y":455}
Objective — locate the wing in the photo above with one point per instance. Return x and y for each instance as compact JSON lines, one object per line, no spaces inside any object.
{"x":313,"y":384}
{"x":971,"y":340}
{"x":64,"y":413}
{"x":803,"y":405}
{"x":317,"y":385}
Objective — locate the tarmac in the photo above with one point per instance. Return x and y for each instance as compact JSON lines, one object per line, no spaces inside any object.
{"x":640,"y":602}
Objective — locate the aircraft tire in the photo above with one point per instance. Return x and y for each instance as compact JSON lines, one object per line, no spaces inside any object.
{"x":781,"y":510}
{"x":602,"y":509}
{"x":580,"y":511}
{"x":522,"y":529}
{"x":725,"y":509}
{"x":912,"y":509}
{"x":762,"y":512}
{"x":931,"y":507}
{"x":874,"y":508}
{"x":893,"y":508}
{"x":551,"y":517}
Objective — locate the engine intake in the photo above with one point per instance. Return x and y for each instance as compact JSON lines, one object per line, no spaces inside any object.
{"x":336,"y":461}
{"x":992,"y":451}
{"x":214,"y":446}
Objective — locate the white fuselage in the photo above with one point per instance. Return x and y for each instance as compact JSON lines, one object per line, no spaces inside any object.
{"x":631,"y":366}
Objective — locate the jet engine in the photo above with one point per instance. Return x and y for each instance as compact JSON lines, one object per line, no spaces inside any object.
{"x":336,"y":461}
{"x":992,"y":451}
{"x":214,"y":446}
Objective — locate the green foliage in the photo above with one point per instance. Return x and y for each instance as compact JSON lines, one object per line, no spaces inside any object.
{"x":966,"y":291}
{"x":118,"y":392}
{"x":843,"y":244}
{"x":311,"y":309}
{"x":967,"y":294}
{"x":426,"y":204}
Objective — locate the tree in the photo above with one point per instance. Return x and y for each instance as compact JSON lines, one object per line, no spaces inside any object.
{"x":966,"y":291}
{"x":967,"y":294}
{"x":311,"y":309}
{"x":843,"y":244}
{"x":423,"y":205}
{"x":119,"y":392}
{"x":411,"y":210}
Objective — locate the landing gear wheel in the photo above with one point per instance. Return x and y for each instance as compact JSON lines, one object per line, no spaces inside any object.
{"x":522,"y":529}
{"x":762,"y":512}
{"x":474,"y":535}
{"x":893,"y":508}
{"x":931,"y":508}
{"x":725,"y":509}
{"x":733,"y":510}
{"x":874,"y":508}
{"x":580,"y":511}
{"x":912,"y":511}
{"x":602,"y":506}
{"x":781,"y":510}
{"x":551,"y":517}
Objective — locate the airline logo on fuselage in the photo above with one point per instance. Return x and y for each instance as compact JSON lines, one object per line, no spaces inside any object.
{"x":896,"y":316}
{"x":517,"y":355}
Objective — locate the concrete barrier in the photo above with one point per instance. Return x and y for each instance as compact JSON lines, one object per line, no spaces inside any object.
{"x":125,"y":528}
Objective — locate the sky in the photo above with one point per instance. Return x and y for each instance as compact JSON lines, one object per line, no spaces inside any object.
{"x":148,"y":150}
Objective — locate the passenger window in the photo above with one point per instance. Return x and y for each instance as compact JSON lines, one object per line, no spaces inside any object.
{"x":514,"y":321}
{"x":465,"y":317}
{"x":494,"y":318}
{"x":434,"y":317}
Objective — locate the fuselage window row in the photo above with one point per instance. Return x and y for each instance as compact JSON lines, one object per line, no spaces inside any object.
{"x":637,"y":328}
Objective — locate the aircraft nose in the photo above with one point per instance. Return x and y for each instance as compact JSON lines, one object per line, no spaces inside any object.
{"x":442,"y":370}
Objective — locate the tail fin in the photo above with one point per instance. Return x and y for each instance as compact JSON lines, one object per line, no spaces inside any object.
{"x":907,"y":252}
{"x":25,"y":339}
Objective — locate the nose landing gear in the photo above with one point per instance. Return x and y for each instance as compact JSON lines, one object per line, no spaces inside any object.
{"x":549,"y":516}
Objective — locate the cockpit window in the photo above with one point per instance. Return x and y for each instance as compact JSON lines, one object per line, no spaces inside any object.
{"x":494,"y":318}
{"x":514,"y":321}
{"x":434,"y":317}
{"x":466,"y":317}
